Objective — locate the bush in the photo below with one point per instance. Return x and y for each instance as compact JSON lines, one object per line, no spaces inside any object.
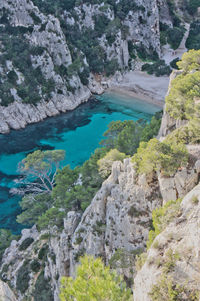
{"x":146,"y":55}
{"x":175,"y":36}
{"x":187,"y":134}
{"x":43,"y":291}
{"x":180,"y":103}
{"x":23,"y":278}
{"x":193,"y":40}
{"x":173,"y":63}
{"x":159,"y":68}
{"x":111,"y":67}
{"x":192,"y":6}
{"x":172,"y":36}
{"x":105,"y":164}
{"x":42,"y":255}
{"x":35,"y":266}
{"x":94,"y":281}
{"x":160,"y":156}
{"x":167,"y":289}
{"x":26,"y":243}
{"x":162,"y":217}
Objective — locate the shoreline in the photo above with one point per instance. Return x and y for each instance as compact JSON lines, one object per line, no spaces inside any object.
{"x":18,"y":115}
{"x":142,"y":86}
{"x":132,"y":93}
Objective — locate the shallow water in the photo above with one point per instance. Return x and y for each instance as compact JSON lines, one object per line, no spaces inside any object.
{"x":77,"y":132}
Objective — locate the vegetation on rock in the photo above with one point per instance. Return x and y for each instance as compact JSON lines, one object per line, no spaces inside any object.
{"x":94,"y":281}
{"x":105,"y":164}
{"x":160,"y":156}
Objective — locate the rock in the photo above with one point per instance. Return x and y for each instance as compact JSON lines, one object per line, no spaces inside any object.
{"x":178,"y":238}
{"x":167,"y":189}
{"x":197,"y":166}
{"x":47,"y":34}
{"x":5,"y":293}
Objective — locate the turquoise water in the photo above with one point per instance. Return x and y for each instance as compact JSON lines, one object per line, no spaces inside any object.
{"x":77,"y":132}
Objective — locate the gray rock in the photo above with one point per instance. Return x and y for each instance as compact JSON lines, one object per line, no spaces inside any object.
{"x":182,"y":238}
{"x":5,"y":293}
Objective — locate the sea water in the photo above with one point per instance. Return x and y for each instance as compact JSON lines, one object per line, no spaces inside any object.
{"x":77,"y":132}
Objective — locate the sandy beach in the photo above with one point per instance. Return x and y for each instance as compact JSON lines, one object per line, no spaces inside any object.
{"x":142,"y":86}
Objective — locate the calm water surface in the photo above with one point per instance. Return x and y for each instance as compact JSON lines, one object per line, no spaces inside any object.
{"x":77,"y":132}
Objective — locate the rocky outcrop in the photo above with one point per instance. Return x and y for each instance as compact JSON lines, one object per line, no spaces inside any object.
{"x":51,"y":55}
{"x":5,"y":293}
{"x":176,"y":249}
{"x":115,"y":226}
{"x":18,"y":115}
{"x":122,"y":203}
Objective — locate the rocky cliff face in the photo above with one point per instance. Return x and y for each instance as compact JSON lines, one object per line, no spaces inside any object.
{"x":175,"y":256}
{"x":45,"y":70}
{"x":5,"y":293}
{"x":115,"y":226}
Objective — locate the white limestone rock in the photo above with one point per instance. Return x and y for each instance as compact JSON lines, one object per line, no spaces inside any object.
{"x":5,"y":292}
{"x":182,"y":237}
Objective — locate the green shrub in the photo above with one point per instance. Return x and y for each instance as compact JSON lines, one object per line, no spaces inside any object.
{"x":140,"y":261}
{"x":23,"y":277}
{"x":167,"y":289}
{"x":173,"y":63}
{"x":105,"y":164}
{"x":42,"y":255}
{"x":146,"y":55}
{"x":180,"y":103}
{"x":195,"y":200}
{"x":162,"y":217}
{"x":172,"y":36}
{"x":133,"y":212}
{"x":159,"y":68}
{"x":193,"y":40}
{"x":175,"y":36}
{"x":26,"y":243}
{"x":94,"y":281}
{"x":19,"y":51}
{"x":43,"y":290}
{"x":192,"y":6}
{"x":154,"y":155}
{"x":35,"y":266}
{"x":123,"y":259}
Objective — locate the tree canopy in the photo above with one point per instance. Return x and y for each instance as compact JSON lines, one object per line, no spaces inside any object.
{"x":39,"y":170}
{"x":160,"y":156}
{"x":94,"y":282}
{"x":183,"y":100}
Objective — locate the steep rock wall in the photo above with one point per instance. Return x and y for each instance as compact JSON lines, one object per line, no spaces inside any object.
{"x":115,"y":226}
{"x":50,"y":54}
{"x":181,"y":238}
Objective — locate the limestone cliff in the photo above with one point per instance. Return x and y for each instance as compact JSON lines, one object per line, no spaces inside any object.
{"x":115,"y":226}
{"x":46,"y":66}
{"x":173,"y":260}
{"x":5,"y":293}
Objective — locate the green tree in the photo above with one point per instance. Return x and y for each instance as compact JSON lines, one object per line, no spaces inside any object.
{"x":39,"y":170}
{"x":52,"y":217}
{"x":190,"y":61}
{"x":65,"y":179}
{"x":185,"y":90}
{"x":151,"y":130}
{"x":94,"y":282}
{"x":34,"y":206}
{"x":160,"y":156}
{"x":123,"y":135}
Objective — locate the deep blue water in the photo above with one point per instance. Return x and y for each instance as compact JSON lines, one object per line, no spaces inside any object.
{"x":78,"y":132}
